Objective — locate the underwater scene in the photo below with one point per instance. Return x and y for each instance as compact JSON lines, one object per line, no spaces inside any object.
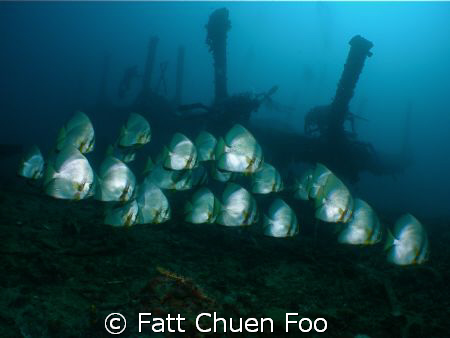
{"x":221,"y":169}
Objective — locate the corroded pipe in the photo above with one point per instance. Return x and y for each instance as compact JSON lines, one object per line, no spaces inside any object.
{"x":146,"y":81}
{"x":180,"y":73}
{"x":359,"y":51}
{"x":216,"y":39}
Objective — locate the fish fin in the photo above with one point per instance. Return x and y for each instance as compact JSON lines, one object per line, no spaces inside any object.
{"x":97,"y":189}
{"x":163,"y":155}
{"x":69,"y":153}
{"x":238,"y":132}
{"x":49,"y":175}
{"x":77,"y":119}
{"x":148,"y":166}
{"x":61,"y":138}
{"x":217,"y":206}
{"x":389,"y":240}
{"x":34,"y":151}
{"x":220,"y":148}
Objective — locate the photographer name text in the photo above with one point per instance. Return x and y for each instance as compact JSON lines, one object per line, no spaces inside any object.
{"x":115,"y":323}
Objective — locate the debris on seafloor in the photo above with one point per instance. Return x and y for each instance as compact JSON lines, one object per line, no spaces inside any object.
{"x":169,"y":293}
{"x":187,"y":283}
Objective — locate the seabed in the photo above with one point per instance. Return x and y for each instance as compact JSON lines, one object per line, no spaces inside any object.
{"x":64,"y":272}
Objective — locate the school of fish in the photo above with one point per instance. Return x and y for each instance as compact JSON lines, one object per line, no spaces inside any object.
{"x":186,"y":165}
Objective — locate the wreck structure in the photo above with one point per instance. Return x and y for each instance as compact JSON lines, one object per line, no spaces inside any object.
{"x":325,"y":139}
{"x":226,"y":110}
{"x":162,"y":83}
{"x":339,"y":108}
{"x":179,"y":75}
{"x":217,"y":30}
{"x":330,"y":143}
{"x":159,"y":110}
{"x":149,"y":65}
{"x":130,"y":74}
{"x":328,"y":121}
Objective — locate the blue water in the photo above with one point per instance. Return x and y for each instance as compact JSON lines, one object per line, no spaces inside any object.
{"x":51,"y":50}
